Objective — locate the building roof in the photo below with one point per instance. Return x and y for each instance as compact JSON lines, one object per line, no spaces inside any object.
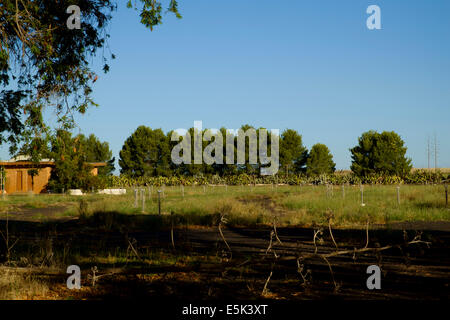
{"x":47,"y":163}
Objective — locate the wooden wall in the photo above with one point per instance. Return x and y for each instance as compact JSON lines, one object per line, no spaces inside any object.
{"x":18,"y":180}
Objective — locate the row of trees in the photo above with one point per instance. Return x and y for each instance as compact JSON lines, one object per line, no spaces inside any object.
{"x":147,"y":153}
{"x":45,"y":64}
{"x":72,"y":156}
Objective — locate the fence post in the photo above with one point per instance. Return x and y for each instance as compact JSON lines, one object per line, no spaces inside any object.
{"x":362,"y":195}
{"x":182,"y":190}
{"x":446,"y":195}
{"x":343,"y":191}
{"x":204,"y":189}
{"x":398,"y":195}
{"x":159,"y":201}
{"x":135,"y":198}
{"x":143,"y":199}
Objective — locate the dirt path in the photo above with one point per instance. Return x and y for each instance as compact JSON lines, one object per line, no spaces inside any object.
{"x":50,"y":213}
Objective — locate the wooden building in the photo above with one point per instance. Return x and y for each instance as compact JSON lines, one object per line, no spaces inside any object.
{"x":18,"y":179}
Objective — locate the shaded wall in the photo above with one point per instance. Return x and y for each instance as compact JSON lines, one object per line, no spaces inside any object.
{"x":19,"y":180}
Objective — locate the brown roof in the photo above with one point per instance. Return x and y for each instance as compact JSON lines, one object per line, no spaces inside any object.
{"x":41,"y":164}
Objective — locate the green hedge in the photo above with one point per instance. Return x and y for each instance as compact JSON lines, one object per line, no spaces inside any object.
{"x":415,"y":177}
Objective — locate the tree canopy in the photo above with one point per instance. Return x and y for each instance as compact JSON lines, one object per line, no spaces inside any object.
{"x":320,"y":160}
{"x":46,"y":65}
{"x":380,"y":153}
{"x":145,"y":153}
{"x":71,"y":170}
{"x":293,"y":154}
{"x":96,"y":151}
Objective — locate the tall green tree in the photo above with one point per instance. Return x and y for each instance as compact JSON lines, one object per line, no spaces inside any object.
{"x":97,"y":151}
{"x":244,"y":134}
{"x":293,"y":154}
{"x":380,"y":153}
{"x":47,"y":64}
{"x":72,"y":170}
{"x":227,"y":169}
{"x":146,"y":153}
{"x":320,"y":160}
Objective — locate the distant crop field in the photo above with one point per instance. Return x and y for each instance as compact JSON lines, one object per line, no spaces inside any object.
{"x":443,"y":170}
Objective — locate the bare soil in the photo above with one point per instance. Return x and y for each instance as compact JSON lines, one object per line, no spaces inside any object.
{"x":415,"y":272}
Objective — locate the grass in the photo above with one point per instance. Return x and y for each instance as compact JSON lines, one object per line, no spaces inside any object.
{"x":251,"y":205}
{"x":19,"y":285}
{"x":108,"y":224}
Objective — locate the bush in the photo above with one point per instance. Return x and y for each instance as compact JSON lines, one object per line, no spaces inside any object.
{"x":337,"y":178}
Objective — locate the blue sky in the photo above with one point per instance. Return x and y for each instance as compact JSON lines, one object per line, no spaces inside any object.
{"x":312,"y":66}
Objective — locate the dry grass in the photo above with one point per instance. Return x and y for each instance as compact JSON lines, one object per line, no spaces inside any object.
{"x":16,"y":284}
{"x":443,"y":170}
{"x":253,"y":205}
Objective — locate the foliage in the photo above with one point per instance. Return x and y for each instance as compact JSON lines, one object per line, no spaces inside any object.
{"x":146,"y":153}
{"x":336,"y":178}
{"x":9,"y":116}
{"x":320,"y":160}
{"x":48,"y":64}
{"x":380,"y":153}
{"x":97,"y":151}
{"x":72,"y":156}
{"x":293,"y":154}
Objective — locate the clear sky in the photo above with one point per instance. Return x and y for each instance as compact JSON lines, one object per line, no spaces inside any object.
{"x":308,"y":65}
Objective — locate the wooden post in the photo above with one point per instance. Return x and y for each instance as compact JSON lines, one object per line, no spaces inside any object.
{"x":446,"y":195}
{"x":398,"y":195}
{"x":143,"y":199}
{"x":1,"y":181}
{"x":362,"y":196}
{"x":159,"y":201}
{"x":343,"y":191}
{"x":204,"y":189}
{"x":182,"y":190}
{"x":135,"y":198}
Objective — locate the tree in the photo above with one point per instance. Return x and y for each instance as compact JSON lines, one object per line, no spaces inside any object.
{"x":71,"y":171}
{"x":320,"y":160}
{"x":293,"y":154}
{"x":10,"y":121}
{"x":48,"y":64}
{"x":146,"y":153}
{"x":97,"y":151}
{"x":380,"y":153}
{"x":227,"y":169}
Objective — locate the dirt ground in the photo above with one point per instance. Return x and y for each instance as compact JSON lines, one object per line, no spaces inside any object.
{"x":245,"y":262}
